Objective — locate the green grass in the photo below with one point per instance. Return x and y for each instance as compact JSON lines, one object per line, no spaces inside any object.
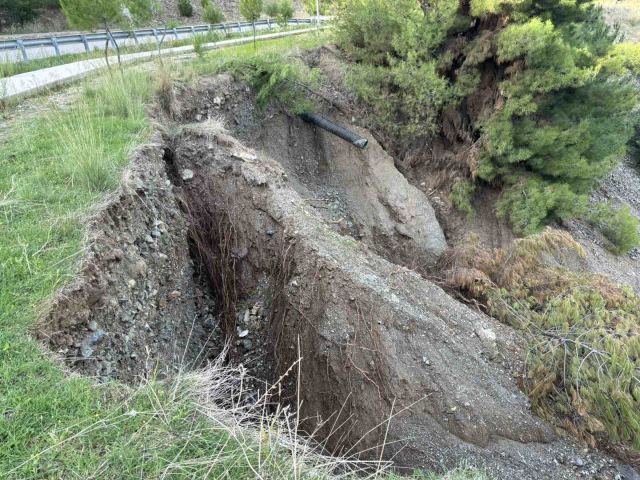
{"x":53,"y":170}
{"x":9,"y":69}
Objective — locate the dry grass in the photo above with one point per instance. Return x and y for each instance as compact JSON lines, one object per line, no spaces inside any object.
{"x":583,"y":334}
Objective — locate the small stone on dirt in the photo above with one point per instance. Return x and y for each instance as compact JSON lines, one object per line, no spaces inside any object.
{"x":86,"y":347}
{"x":187,"y":175}
{"x":578,"y":462}
{"x":243,"y":333}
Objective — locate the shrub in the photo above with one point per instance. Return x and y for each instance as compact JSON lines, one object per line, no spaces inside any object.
{"x":213,"y":14}
{"x":276,"y":78}
{"x":22,"y":11}
{"x":462,"y":195}
{"x":326,"y":6}
{"x":271,"y":9}
{"x":185,"y":8}
{"x":618,"y":225}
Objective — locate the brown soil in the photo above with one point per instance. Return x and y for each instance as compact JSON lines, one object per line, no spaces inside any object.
{"x":290,"y":243}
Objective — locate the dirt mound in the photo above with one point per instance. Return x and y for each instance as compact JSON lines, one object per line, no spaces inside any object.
{"x":136,"y":305}
{"x":360,"y":192}
{"x":386,"y":354}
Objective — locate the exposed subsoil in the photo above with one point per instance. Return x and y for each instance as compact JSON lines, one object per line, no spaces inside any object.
{"x":622,"y":186}
{"x":257,"y":229}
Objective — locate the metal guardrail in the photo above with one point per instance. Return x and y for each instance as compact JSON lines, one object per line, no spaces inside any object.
{"x":23,"y":45}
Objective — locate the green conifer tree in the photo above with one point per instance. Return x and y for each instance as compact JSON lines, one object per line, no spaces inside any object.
{"x":540,"y":89}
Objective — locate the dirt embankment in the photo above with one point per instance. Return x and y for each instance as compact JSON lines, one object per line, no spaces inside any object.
{"x":289,"y":243}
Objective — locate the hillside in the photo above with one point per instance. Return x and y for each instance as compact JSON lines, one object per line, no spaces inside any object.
{"x":52,"y":20}
{"x":406,"y":245}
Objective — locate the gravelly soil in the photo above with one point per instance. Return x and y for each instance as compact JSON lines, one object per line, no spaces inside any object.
{"x":375,"y":336}
{"x":621,"y":186}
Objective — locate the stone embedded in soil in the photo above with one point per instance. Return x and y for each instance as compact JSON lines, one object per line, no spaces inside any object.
{"x":186,"y":174}
{"x":242,"y":333}
{"x":90,"y":341}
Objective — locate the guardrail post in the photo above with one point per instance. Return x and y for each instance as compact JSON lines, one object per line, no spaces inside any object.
{"x":155,"y":34}
{"x":175,"y":32}
{"x":224,"y":29}
{"x":135,"y":37}
{"x":193,"y":32}
{"x":20,"y":44}
{"x":239,"y":28}
{"x":56,"y":47}
{"x":269,"y":23}
{"x":86,"y":43}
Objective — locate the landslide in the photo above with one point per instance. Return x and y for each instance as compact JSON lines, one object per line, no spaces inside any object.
{"x":257,"y":229}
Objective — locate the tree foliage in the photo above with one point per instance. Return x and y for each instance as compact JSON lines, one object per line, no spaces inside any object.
{"x":251,"y":11}
{"x":397,"y":70}
{"x":542,"y":89}
{"x":281,"y":10}
{"x":271,"y":9}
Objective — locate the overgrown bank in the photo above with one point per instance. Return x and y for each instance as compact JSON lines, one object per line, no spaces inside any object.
{"x":54,"y":170}
{"x":534,"y":99}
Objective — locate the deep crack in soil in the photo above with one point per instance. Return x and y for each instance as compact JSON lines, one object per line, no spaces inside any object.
{"x":255,"y":228}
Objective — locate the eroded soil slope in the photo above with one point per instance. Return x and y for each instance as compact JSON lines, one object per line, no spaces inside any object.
{"x":319,"y":236}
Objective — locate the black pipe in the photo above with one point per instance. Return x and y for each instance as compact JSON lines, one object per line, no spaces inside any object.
{"x":337,"y":130}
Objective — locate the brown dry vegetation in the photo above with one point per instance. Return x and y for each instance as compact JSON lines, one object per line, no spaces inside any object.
{"x":583,"y":330}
